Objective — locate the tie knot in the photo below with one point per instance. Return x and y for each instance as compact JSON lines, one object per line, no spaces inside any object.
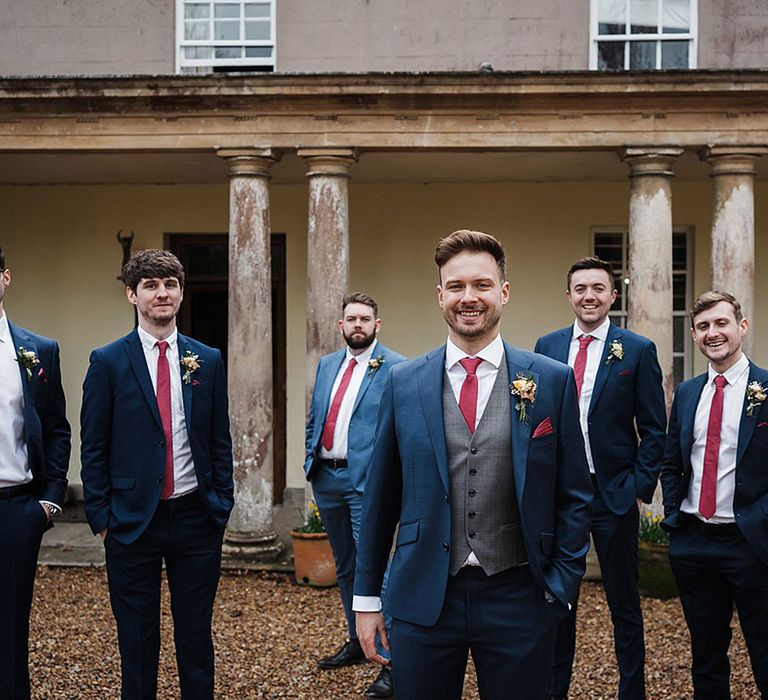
{"x":470,"y":364}
{"x":585,"y":340}
{"x":720,"y":381}
{"x":162,"y":346}
{"x":352,"y":362}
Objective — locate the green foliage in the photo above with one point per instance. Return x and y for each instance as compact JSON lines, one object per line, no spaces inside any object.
{"x":313,"y":523}
{"x":650,"y":529}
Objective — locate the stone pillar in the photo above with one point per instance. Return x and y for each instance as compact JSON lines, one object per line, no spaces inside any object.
{"x":327,"y":250}
{"x":250,"y":537}
{"x":732,"y":259}
{"x":649,"y":295}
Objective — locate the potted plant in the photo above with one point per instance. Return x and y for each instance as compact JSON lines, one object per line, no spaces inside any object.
{"x":312,"y":555}
{"x":656,"y":577}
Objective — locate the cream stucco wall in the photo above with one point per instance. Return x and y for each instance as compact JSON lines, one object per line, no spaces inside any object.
{"x":60,"y":244}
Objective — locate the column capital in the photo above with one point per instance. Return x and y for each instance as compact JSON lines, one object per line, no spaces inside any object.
{"x":249,"y":162}
{"x":732,"y":160}
{"x":328,"y":161}
{"x":653,"y":161}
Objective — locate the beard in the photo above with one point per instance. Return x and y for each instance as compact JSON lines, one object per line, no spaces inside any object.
{"x":359,"y":341}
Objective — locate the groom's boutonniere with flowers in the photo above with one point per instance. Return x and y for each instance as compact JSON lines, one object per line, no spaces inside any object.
{"x":374,"y":363}
{"x":28,"y":360}
{"x":615,"y":352}
{"x":190,"y":363}
{"x":756,"y":395}
{"x":524,"y":388}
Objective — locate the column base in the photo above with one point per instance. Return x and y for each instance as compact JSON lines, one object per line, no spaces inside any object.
{"x":248,"y":550}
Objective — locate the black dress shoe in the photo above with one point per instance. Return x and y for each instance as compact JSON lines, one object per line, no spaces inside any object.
{"x":382,"y":687}
{"x":349,"y":655}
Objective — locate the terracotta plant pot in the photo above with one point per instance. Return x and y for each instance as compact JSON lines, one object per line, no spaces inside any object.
{"x":313,"y":559}
{"x":656,"y":577}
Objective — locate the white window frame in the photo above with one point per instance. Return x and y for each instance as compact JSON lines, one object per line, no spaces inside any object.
{"x":244,"y":62}
{"x":691,"y":36}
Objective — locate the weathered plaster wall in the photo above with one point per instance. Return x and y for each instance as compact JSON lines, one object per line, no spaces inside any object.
{"x":733,"y":34}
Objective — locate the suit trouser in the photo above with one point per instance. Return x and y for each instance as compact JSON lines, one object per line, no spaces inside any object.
{"x":714,"y":571}
{"x":615,"y":538}
{"x":503,"y":620}
{"x":22,"y":523}
{"x":181,"y":534}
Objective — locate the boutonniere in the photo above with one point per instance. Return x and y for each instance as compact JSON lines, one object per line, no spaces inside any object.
{"x":756,"y":395}
{"x":524,"y":388}
{"x":28,"y":360}
{"x":374,"y":363}
{"x":615,"y":352}
{"x":190,"y":363}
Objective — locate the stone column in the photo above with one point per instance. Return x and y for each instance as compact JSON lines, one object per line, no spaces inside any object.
{"x":250,"y":537}
{"x":732,"y":259}
{"x":327,"y":250}
{"x":649,"y":295}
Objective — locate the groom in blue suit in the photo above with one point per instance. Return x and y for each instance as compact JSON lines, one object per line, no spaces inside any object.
{"x":620,"y":398}
{"x":480,"y":460}
{"x":34,"y":458}
{"x":157,"y":478}
{"x":715,"y":482}
{"x":339,"y":443}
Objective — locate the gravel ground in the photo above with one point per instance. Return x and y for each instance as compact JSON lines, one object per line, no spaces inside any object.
{"x":269,"y":633}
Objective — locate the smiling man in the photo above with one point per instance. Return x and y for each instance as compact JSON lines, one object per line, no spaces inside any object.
{"x":480,"y":459}
{"x":157,"y":478}
{"x":620,"y":397}
{"x":715,"y":484}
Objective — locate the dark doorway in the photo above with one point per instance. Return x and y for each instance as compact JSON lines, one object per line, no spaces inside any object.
{"x":203,"y":315}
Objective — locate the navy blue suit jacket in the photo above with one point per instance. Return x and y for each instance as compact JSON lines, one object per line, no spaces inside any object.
{"x":362,"y":427}
{"x":627,"y":400}
{"x":750,"y":501}
{"x":408,"y":482}
{"x":46,"y":430}
{"x":123,"y":445}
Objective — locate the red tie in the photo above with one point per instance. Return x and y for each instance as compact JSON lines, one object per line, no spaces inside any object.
{"x":468,"y":395}
{"x":164,"y":406}
{"x":333,"y":413}
{"x":708,"y":497}
{"x":581,"y":361}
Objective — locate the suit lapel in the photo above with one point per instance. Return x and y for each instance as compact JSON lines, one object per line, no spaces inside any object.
{"x":603,"y":370}
{"x":564,"y":345}
{"x":430,"y":376}
{"x":521,"y":430}
{"x":326,"y":380}
{"x":186,"y":387}
{"x":22,"y":339}
{"x":688,"y":410}
{"x":141,"y":372}
{"x":748,"y":423}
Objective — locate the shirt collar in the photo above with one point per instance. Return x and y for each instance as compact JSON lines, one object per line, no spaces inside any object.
{"x":363,"y":357}
{"x":5,"y":331}
{"x":600,"y":333}
{"x":149,"y":341}
{"x":733,"y":373}
{"x":493,"y":353}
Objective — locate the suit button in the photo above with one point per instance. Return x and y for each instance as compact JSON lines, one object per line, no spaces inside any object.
{"x":160,"y":481}
{"x":445,"y":546}
{"x":447,"y":500}
{"x":161,"y":444}
{"x":471,"y":535}
{"x":472,"y":514}
{"x":472,"y":492}
{"x":472,"y":472}
{"x":474,"y":450}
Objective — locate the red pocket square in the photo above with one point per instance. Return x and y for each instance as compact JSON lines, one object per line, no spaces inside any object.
{"x":543,"y":428}
{"x":764,"y":424}
{"x":625,"y":372}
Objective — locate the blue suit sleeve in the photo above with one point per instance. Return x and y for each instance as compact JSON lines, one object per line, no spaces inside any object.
{"x":56,"y":436}
{"x":221,"y":438}
{"x":672,"y":464}
{"x":310,"y":434}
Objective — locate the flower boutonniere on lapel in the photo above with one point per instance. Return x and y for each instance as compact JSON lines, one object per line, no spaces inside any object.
{"x":524,"y":388}
{"x":756,"y":395}
{"x":374,"y":363}
{"x":190,"y":363}
{"x":28,"y":360}
{"x":615,"y":352}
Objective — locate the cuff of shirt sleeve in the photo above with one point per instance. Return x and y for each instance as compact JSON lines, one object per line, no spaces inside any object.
{"x":366,"y":603}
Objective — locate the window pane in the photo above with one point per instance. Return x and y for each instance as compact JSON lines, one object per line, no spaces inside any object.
{"x":642,"y":55}
{"x":227,"y":30}
{"x":676,"y":16}
{"x":678,"y":293}
{"x":198,"y":52}
{"x":253,"y":10}
{"x":611,"y":17}
{"x":679,"y":251}
{"x":196,"y":30}
{"x":678,"y":333}
{"x":674,"y":54}
{"x":608,"y":247}
{"x":644,"y":16}
{"x":610,"y":55}
{"x":258,"y":52}
{"x":229,"y":52}
{"x":197,"y":11}
{"x":257,"y":30}
{"x":227,"y":11}
{"x":678,"y":370}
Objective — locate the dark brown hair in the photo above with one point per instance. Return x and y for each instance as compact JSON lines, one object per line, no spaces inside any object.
{"x":476,"y":241}
{"x":712,"y":298}
{"x":591,"y":262}
{"x":360,"y":298}
{"x":151,"y":263}
{"x":2,"y":259}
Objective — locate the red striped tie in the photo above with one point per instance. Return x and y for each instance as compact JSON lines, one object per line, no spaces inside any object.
{"x":164,"y":406}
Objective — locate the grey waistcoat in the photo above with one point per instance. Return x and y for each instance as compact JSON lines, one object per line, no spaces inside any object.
{"x":484,"y":514}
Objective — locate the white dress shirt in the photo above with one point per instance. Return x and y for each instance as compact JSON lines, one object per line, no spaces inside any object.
{"x":733,"y":408}
{"x":594,"y":354}
{"x":184,"y":477}
{"x":341,"y":430}
{"x":14,"y":459}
